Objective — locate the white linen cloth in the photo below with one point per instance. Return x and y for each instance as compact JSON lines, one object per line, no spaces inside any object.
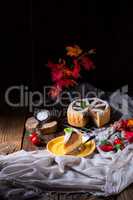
{"x":26,"y":174}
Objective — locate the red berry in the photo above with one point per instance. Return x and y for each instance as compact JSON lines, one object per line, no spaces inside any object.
{"x":118,"y":141}
{"x":32,"y":135}
{"x":107,"y":147}
{"x":36,"y":140}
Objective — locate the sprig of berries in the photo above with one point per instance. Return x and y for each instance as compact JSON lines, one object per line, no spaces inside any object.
{"x":36,"y":138}
{"x":118,"y":143}
{"x":107,"y":146}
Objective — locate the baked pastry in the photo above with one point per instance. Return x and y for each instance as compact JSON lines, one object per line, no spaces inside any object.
{"x":99,"y":110}
{"x":31,"y":124}
{"x":49,"y":127}
{"x":72,"y":140}
{"x":80,"y":110}
{"x":78,"y":113}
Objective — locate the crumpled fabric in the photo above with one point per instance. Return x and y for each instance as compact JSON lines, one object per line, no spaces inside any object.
{"x":25,"y":175}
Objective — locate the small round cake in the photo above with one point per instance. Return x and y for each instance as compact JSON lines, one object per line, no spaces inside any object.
{"x":80,"y":110}
{"x":78,"y":113}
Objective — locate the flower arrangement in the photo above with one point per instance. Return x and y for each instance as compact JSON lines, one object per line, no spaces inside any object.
{"x":66,"y":72}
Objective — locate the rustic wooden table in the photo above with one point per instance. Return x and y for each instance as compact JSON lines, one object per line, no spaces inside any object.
{"x":13,"y":138}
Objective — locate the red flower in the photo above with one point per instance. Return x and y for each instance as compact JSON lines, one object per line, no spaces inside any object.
{"x":56,"y":66}
{"x":55,"y":91}
{"x":86,"y":62}
{"x":67,"y":72}
{"x":130,"y":125}
{"x":56,"y":75}
{"x":120,"y":125}
{"x":129,"y":136}
{"x":76,"y":70}
{"x":66,"y":83}
{"x":130,"y":122}
{"x":73,"y":51}
{"x":52,"y":65}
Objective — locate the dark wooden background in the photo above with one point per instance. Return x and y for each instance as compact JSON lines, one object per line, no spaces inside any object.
{"x":32,"y":31}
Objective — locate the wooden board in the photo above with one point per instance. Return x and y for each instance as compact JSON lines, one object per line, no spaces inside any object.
{"x":127,"y":194}
{"x":11,"y":132}
{"x":28,"y":146}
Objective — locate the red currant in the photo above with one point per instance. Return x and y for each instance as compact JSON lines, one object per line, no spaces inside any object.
{"x":32,"y":135}
{"x":36,"y":140}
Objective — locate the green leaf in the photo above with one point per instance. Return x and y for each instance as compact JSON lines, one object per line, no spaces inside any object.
{"x":27,"y":133}
{"x":118,"y":146}
{"x":104,"y":142}
{"x":41,"y":136}
{"x":25,"y":142}
{"x":83,"y":104}
{"x":71,"y":66}
{"x":69,"y":62}
{"x":68,"y":130}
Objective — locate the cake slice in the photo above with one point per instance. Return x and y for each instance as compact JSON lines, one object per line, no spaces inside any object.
{"x":72,"y":140}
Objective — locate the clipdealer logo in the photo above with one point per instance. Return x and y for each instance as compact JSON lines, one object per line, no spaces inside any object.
{"x":31,"y":99}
